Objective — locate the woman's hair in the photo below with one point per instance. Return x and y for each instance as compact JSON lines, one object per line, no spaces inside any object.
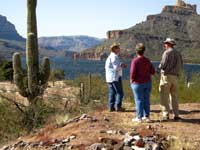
{"x":140,"y":48}
{"x":141,"y":52}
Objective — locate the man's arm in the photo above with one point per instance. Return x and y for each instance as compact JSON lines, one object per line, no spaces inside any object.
{"x":116,"y":63}
{"x":164,"y":61}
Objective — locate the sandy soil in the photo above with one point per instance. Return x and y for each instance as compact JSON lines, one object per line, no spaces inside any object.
{"x":87,"y":132}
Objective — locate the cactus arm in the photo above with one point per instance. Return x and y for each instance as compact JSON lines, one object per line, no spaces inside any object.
{"x":45,"y":71}
{"x":18,"y":75}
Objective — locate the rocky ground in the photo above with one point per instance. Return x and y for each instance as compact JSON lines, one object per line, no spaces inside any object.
{"x":103,"y":130}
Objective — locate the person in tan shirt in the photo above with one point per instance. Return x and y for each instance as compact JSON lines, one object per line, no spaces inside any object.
{"x":171,"y":66}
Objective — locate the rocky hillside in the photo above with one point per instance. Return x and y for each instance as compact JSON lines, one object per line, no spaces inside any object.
{"x":8,"y":47}
{"x":69,"y":43}
{"x":8,"y":31}
{"x":180,"y":22}
{"x":102,"y":130}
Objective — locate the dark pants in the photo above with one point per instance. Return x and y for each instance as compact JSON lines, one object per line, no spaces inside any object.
{"x":115,"y":94}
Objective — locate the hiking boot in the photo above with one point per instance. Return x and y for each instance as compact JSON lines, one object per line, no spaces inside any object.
{"x":177,"y":118}
{"x":165,"y":118}
{"x":120,"y":109}
{"x":138,"y":120}
{"x":111,"y":109}
{"x":146,"y":119}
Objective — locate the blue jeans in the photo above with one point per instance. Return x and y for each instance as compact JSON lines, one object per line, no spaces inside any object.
{"x":115,"y":94}
{"x":142,"y":98}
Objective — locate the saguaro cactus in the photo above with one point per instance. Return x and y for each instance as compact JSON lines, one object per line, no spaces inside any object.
{"x":34,"y":83}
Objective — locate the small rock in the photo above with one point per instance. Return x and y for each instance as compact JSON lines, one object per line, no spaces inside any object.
{"x":148,"y":139}
{"x":127,"y":148}
{"x":137,"y":137}
{"x":106,"y":119}
{"x":140,"y":143}
{"x":173,"y":138}
{"x":148,"y":146}
{"x":35,"y":144}
{"x":72,"y":137}
{"x":18,"y":143}
{"x":65,"y":141}
{"x":6,"y":148}
{"x":96,"y":146}
{"x":149,"y":127}
{"x":83,"y":116}
{"x":111,"y":132}
{"x":120,"y":132}
{"x":128,"y":140}
{"x":102,"y":131}
{"x":108,"y":141}
{"x":23,"y":144}
{"x":156,"y":146}
{"x":94,"y":120}
{"x":58,"y":146}
{"x":137,"y":148}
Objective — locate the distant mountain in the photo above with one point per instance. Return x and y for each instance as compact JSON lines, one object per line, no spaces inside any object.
{"x":180,"y":22}
{"x":69,"y":43}
{"x":8,"y":47}
{"x":8,"y":31}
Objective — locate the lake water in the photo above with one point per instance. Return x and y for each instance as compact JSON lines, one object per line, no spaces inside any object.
{"x":75,"y":68}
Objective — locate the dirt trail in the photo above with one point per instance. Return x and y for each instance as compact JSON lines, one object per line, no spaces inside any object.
{"x":103,"y":124}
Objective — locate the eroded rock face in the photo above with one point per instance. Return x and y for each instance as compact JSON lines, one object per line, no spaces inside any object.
{"x":8,"y":31}
{"x":178,"y":22}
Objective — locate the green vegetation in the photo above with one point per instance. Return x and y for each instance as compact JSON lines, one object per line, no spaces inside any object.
{"x":6,"y":71}
{"x":98,"y":89}
{"x":15,"y":122}
{"x":57,"y":74}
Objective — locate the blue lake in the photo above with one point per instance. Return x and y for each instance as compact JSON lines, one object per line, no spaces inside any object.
{"x":75,"y":68}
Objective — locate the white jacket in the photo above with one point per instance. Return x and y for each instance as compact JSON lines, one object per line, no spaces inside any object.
{"x":113,"y":68}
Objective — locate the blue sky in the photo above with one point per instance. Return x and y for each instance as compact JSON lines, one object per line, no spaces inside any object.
{"x":83,"y":17}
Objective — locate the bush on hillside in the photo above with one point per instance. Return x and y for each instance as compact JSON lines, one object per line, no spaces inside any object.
{"x":6,"y":71}
{"x":57,"y":74}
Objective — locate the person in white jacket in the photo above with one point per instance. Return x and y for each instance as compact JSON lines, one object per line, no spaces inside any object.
{"x":113,"y":68}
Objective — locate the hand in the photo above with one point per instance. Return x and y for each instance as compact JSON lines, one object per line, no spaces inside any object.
{"x":123,"y":65}
{"x":158,"y":70}
{"x":131,"y":81}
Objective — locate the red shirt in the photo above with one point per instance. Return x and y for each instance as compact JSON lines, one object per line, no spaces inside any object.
{"x":141,"y":70}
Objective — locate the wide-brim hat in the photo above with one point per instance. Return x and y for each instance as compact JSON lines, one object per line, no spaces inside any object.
{"x":170,"y":41}
{"x":140,"y":47}
{"x":114,"y":45}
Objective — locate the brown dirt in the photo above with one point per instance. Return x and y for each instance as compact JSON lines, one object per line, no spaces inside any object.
{"x":88,"y":132}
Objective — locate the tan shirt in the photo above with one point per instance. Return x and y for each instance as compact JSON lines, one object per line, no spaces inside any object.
{"x":171,"y":62}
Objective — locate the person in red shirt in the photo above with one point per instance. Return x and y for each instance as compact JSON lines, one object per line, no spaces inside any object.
{"x":140,"y":78}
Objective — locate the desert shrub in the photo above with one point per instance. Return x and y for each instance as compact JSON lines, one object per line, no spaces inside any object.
{"x":6,"y":71}
{"x":15,"y":122}
{"x":10,"y":122}
{"x":99,"y":89}
{"x":57,"y":74}
{"x":189,"y":94}
{"x":34,"y":116}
